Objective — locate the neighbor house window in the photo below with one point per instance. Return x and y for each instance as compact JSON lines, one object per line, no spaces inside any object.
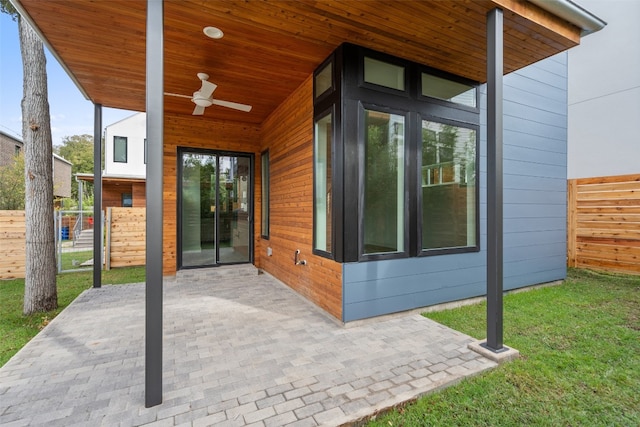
{"x":127,"y":200}
{"x":16,"y":151}
{"x":448,"y":90}
{"x":448,"y":186}
{"x":120,"y":149}
{"x":322,"y":183}
{"x":384,"y":186}
{"x":265,"y":195}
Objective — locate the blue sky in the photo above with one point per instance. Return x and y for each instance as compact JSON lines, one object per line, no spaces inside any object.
{"x":71,"y":113}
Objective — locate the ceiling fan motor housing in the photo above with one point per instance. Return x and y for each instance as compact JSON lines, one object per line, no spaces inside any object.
{"x":200,"y":100}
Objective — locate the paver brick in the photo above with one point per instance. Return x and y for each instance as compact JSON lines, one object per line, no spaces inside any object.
{"x":246,"y":351}
{"x":280,"y":420}
{"x":327,"y":417}
{"x":259,"y":415}
{"x":309,"y":410}
{"x":289,"y":405}
{"x":209,"y":420}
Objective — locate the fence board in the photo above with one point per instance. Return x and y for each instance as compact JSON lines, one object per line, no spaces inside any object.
{"x":126,"y":237}
{"x":603,"y":230}
{"x":12,"y":249}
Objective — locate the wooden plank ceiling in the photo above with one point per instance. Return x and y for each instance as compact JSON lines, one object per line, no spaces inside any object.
{"x":270,"y":47}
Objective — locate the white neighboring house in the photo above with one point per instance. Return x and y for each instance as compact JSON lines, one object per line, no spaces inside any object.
{"x":125,"y":148}
{"x":604,"y":94}
{"x":123,"y":177}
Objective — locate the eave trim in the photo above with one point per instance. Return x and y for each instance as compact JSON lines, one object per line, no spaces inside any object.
{"x":573,"y":13}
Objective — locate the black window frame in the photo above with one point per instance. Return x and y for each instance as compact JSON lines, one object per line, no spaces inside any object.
{"x":406,"y":66}
{"x":405,"y":252}
{"x":349,"y":98}
{"x":330,"y":111}
{"x":126,"y":148}
{"x":420,"y":251}
{"x":330,"y":101}
{"x":444,"y":75}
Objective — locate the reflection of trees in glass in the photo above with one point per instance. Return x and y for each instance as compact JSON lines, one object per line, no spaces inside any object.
{"x":383,"y":143}
{"x":199,"y":174}
{"x":451,"y":147}
{"x":448,"y":196}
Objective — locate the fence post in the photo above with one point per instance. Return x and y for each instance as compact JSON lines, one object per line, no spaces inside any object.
{"x":107,"y":250}
{"x":59,"y":240}
{"x":572,"y":222}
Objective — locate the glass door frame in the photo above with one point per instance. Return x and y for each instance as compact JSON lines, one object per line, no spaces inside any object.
{"x":179,"y":205}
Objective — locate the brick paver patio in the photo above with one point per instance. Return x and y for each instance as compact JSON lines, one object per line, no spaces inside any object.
{"x":238,"y":350}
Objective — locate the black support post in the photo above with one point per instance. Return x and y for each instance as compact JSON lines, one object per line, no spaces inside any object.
{"x":494,"y":181}
{"x":97,"y":196}
{"x":155,"y":114}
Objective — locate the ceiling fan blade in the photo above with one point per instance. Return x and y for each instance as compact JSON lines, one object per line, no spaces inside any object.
{"x":207,"y":89}
{"x":178,"y":95}
{"x":234,"y":105}
{"x":198,"y":111}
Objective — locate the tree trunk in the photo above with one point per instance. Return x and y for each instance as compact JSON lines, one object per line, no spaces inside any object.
{"x":40,"y":293}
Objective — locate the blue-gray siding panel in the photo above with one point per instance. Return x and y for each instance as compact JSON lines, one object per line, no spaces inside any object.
{"x":520,"y":139}
{"x":534,"y":211}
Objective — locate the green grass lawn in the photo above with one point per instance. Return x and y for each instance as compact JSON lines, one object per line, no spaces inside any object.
{"x":16,"y":330}
{"x":72,"y":260}
{"x":580,"y":363}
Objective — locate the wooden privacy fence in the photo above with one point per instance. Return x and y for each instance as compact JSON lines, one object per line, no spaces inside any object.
{"x":604,"y":223}
{"x":12,"y":244}
{"x":126,"y":237}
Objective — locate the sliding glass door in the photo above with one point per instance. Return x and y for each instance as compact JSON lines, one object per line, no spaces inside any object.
{"x":215,"y":208}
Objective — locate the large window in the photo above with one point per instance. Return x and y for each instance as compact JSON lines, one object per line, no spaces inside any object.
{"x":448,"y":177}
{"x":120,"y":149}
{"x":383,"y":222}
{"x":323,"y":185}
{"x":395,"y":159}
{"x":264,"y":220}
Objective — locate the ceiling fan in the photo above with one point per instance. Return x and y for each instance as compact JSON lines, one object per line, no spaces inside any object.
{"x":203,"y":97}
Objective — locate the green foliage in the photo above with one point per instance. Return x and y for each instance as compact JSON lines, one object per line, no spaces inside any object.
{"x":12,"y":185}
{"x":579,"y":365}
{"x":78,"y":149}
{"x":16,"y":329}
{"x":7,"y":7}
{"x":69,"y":204}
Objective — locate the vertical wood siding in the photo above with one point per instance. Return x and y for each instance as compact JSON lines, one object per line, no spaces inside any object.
{"x":12,"y":249}
{"x":288,"y":135}
{"x":604,"y":223}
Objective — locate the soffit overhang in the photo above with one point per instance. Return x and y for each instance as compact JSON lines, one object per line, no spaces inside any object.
{"x":271,"y":47}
